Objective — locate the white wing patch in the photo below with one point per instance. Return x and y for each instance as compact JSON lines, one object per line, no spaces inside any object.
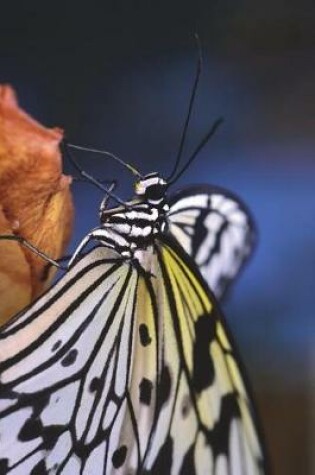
{"x":67,"y":369}
{"x":205,"y":419}
{"x":216,"y":230}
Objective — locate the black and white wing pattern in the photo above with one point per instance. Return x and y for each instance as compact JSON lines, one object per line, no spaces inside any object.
{"x":119,"y":371}
{"x":64,"y":373}
{"x":216,"y":229}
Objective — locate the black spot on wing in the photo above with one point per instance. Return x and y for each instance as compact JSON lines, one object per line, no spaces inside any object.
{"x":4,"y":465}
{"x":56,"y":345}
{"x":186,"y":406}
{"x":203,"y":369}
{"x":164,"y":387}
{"x":95,"y":385}
{"x":164,"y":459}
{"x":218,"y":438}
{"x":145,"y":338}
{"x":119,"y":456}
{"x":50,"y":435}
{"x":37,"y":401}
{"x":81,"y":450}
{"x":145,"y":388}
{"x":6,"y":393}
{"x":70,"y":358}
{"x":200,"y":232}
{"x":188,"y":465}
{"x":31,"y":429}
{"x":39,"y":469}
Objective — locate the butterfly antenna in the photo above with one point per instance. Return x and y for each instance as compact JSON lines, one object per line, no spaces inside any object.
{"x":131,"y":168}
{"x":78,"y":179}
{"x":90,"y":178}
{"x":190,"y":108}
{"x":203,"y":142}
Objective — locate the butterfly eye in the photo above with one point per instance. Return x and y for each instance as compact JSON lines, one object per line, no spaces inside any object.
{"x":155,"y":192}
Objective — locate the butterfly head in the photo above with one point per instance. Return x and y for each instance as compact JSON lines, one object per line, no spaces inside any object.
{"x":151,"y":187}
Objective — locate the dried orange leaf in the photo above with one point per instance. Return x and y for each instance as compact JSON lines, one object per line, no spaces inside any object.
{"x":35,"y":202}
{"x":15,"y":275}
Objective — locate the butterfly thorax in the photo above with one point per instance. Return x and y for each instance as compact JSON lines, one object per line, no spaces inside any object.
{"x":135,"y":227}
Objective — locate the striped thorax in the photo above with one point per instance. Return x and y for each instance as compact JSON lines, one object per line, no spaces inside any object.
{"x":128,"y":230}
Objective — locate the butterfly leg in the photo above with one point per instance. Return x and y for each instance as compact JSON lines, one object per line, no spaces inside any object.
{"x":106,"y":197}
{"x":78,"y":250}
{"x":28,"y":245}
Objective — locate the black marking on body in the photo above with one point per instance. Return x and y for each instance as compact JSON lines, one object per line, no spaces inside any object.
{"x":70,"y":358}
{"x":144,"y":334}
{"x":143,"y":215}
{"x":139,"y":222}
{"x":145,"y":389}
{"x":203,"y":372}
{"x":56,"y":345}
{"x":119,"y":456}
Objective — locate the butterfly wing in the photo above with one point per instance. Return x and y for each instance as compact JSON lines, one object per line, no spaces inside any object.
{"x":205,"y":421}
{"x":64,"y":372}
{"x":119,"y":371}
{"x":215,"y":229}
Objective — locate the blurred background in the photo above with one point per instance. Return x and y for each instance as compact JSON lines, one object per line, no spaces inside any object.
{"x":117,"y":75}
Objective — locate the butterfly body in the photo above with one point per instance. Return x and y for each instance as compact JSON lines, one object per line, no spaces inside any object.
{"x":134,"y":228}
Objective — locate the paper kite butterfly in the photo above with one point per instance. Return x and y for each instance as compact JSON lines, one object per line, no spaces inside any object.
{"x":125,"y":366}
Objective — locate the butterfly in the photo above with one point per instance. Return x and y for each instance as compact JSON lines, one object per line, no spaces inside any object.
{"x":126,"y":364}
